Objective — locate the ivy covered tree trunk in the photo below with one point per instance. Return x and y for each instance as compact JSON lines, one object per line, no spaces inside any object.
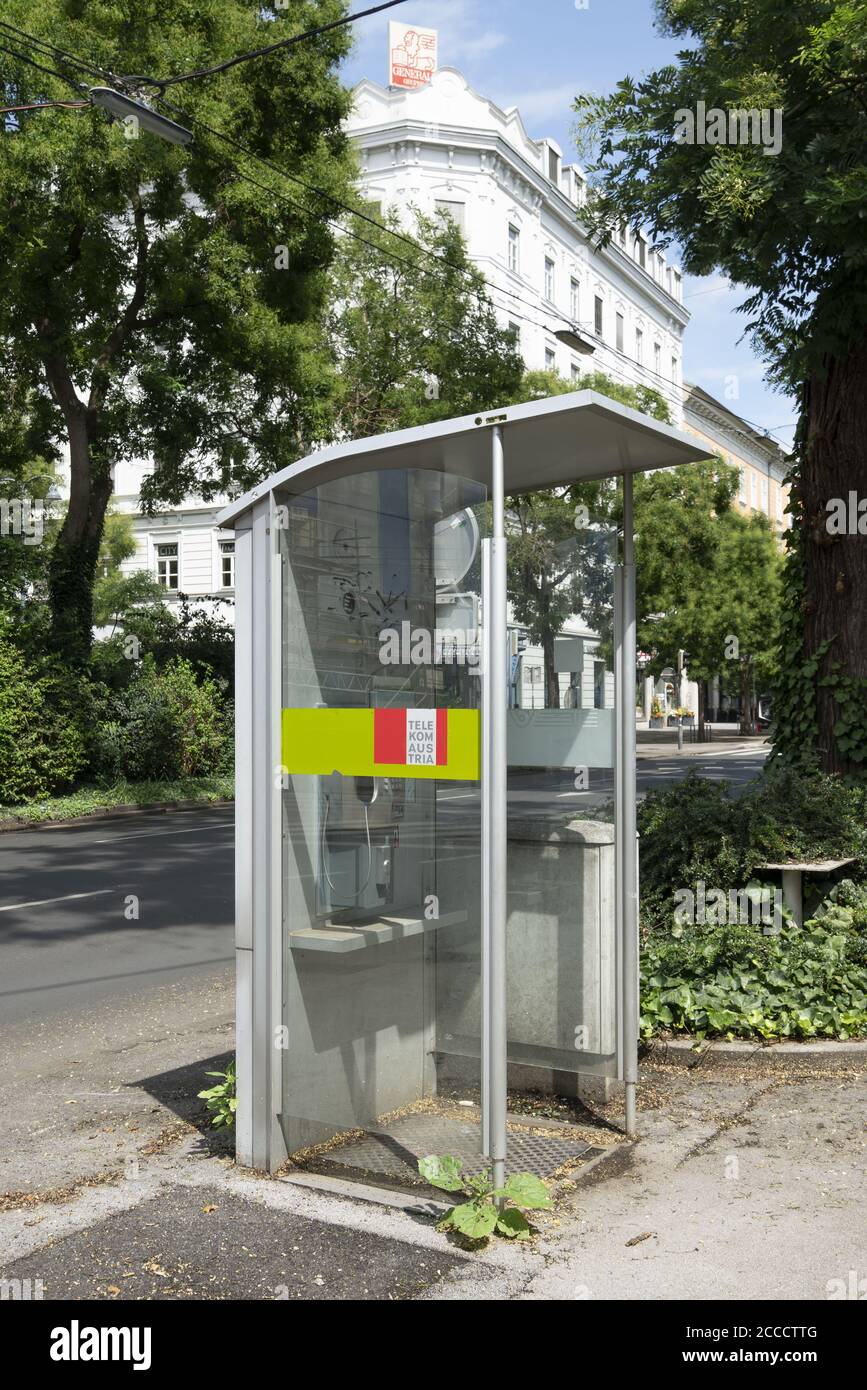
{"x":834,"y":465}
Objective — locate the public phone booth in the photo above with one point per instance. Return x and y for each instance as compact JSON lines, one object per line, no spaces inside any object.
{"x":436,"y":872}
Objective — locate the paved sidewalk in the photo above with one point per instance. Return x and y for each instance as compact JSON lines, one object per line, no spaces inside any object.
{"x":746,"y":1184}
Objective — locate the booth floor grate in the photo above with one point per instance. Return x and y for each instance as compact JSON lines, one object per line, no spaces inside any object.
{"x":393,"y":1151}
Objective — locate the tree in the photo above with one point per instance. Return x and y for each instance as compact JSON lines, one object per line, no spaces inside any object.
{"x":414,"y":335}
{"x":153,"y":300}
{"x":790,"y":228}
{"x":559,"y":554}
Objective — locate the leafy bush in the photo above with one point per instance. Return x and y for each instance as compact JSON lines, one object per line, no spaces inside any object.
{"x":481,"y":1217}
{"x":222,"y":1099}
{"x":164,"y":725}
{"x":789,"y":815}
{"x":144,"y":621}
{"x":42,"y":717}
{"x":733,"y":981}
{"x":695,"y":831}
{"x":690,"y":831}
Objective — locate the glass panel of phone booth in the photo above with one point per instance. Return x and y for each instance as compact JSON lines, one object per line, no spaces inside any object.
{"x":561,"y":933}
{"x":381,"y":804}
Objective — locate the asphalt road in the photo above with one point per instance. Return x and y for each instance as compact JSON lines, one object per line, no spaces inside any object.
{"x":68,"y":936}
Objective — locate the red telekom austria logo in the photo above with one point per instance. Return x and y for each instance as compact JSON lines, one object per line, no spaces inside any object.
{"x":410,"y":737}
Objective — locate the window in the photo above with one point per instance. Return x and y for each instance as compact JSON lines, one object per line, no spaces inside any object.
{"x":167,"y":565}
{"x":553,"y":165}
{"x":597,"y":316}
{"x":576,"y":373}
{"x":549,"y":279}
{"x":618,"y":332}
{"x":639,"y":345}
{"x":764,"y":494}
{"x":579,"y":190}
{"x":550,"y":360}
{"x":754,"y":490}
{"x":641,"y":251}
{"x":575,"y":299}
{"x":678,"y":281}
{"x":227,"y":564}
{"x":622,"y":236}
{"x":742,"y":489}
{"x":457,"y":211}
{"x":674,"y":369}
{"x":514,"y":249}
{"x":657,"y":358}
{"x":516,"y":329}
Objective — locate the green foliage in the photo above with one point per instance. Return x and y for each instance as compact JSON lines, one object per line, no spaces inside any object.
{"x":694,"y":831}
{"x":414,"y":341}
{"x":154,"y":301}
{"x":89,"y":800}
{"x":490,"y":1210}
{"x":555,"y":567}
{"x":42,"y":721}
{"x":788,"y":227}
{"x":222,"y":1099}
{"x":165,"y":724}
{"x":146,"y":625}
{"x":699,"y":567}
{"x":733,"y":981}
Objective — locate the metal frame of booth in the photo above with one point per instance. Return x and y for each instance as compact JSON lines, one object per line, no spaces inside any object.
{"x":522,"y":448}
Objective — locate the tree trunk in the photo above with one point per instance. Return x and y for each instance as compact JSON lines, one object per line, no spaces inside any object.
{"x":835,"y":566}
{"x":702,"y":706}
{"x":76,"y":550}
{"x":552,"y":680}
{"x":747,"y":722}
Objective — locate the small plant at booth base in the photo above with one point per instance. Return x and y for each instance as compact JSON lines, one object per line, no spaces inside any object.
{"x":222,"y":1100}
{"x":490,"y":1210}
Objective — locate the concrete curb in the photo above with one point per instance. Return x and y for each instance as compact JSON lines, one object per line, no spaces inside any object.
{"x":718,"y":1055}
{"x":148,"y":808}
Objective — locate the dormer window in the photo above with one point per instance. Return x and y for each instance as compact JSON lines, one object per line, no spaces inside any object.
{"x":553,"y":166}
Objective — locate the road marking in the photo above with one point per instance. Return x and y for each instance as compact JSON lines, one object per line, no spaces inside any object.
{"x":68,"y":897}
{"x":150,"y":834}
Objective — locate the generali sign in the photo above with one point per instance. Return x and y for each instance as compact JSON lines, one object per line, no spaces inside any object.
{"x":412,"y":55}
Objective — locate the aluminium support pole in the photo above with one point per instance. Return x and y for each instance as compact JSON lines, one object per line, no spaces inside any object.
{"x":485,"y":1042}
{"x":629,"y":887}
{"x":495,"y":679}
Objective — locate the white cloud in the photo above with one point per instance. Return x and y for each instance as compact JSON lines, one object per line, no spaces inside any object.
{"x":546,"y":103}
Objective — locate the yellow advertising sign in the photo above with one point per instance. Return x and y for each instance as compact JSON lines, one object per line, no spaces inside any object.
{"x":415,"y":743}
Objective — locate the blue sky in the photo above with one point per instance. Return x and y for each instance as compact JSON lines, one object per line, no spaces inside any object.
{"x":536,"y":54}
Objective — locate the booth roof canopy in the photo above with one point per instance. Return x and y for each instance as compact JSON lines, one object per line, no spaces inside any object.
{"x":546,"y":443}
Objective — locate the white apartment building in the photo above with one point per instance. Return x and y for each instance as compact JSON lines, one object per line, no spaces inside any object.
{"x":445,"y":148}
